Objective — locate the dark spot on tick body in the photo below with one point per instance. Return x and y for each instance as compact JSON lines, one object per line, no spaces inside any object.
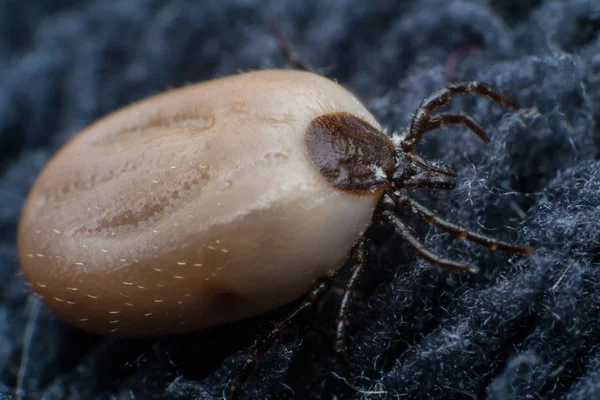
{"x":350,"y":153}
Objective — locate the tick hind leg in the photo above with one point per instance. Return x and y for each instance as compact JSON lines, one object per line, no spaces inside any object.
{"x":359,"y":259}
{"x":424,"y":120}
{"x":288,"y":49}
{"x":258,"y":349}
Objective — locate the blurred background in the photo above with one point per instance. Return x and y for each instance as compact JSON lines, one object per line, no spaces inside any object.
{"x":522,"y":329}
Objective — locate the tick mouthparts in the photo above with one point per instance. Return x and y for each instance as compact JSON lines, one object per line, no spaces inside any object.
{"x":430,"y":180}
{"x":434,"y":166}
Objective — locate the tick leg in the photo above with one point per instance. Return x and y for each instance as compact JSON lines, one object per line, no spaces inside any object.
{"x":421,"y":120}
{"x":288,"y":49}
{"x":359,"y":258}
{"x":258,"y":350}
{"x":439,"y":120}
{"x":420,"y":249}
{"x":459,"y":231}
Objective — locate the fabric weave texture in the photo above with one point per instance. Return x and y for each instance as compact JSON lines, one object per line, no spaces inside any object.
{"x":524,"y":328}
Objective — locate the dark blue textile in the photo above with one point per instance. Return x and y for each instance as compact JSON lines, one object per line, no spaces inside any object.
{"x":525,"y":328}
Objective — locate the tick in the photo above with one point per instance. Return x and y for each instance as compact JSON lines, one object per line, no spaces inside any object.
{"x":225,"y":199}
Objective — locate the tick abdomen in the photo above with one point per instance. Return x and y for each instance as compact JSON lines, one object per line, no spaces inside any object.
{"x":193,"y":208}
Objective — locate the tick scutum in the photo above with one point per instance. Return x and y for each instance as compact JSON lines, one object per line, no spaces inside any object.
{"x":350,"y":153}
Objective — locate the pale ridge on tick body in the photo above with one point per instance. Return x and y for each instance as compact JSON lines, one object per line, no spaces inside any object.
{"x":194,"y":207}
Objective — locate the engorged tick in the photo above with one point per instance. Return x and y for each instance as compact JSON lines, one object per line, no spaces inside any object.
{"x":221,"y":200}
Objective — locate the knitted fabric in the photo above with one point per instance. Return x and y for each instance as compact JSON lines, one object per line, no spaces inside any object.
{"x":524,"y":328}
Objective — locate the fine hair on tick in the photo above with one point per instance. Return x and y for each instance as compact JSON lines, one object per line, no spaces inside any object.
{"x":404,"y":170}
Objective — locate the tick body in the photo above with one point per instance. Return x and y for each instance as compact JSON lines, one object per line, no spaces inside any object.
{"x":222,"y":200}
{"x":205,"y":204}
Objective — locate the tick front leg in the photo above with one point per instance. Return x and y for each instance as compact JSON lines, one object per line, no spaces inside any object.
{"x":422,"y":118}
{"x":439,"y":120}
